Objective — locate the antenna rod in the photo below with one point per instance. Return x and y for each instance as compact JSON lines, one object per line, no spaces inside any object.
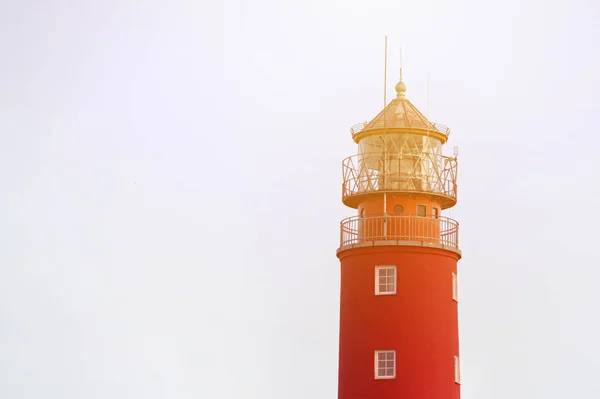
{"x":384,"y":146}
{"x":401,"y":63}
{"x":385,"y":75}
{"x":428,"y":93}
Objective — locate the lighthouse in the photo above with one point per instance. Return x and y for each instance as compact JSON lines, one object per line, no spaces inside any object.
{"x":398,"y":259}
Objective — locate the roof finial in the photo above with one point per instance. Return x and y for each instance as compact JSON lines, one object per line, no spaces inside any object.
{"x":401,"y":62}
{"x":400,"y":87}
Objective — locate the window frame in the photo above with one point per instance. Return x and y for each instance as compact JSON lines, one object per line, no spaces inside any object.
{"x":454,"y":286}
{"x":435,"y":212}
{"x":456,"y":369}
{"x":386,"y":267}
{"x":425,"y":207}
{"x":376,"y":365}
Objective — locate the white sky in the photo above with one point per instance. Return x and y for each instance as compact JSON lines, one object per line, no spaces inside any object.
{"x":171,"y":179}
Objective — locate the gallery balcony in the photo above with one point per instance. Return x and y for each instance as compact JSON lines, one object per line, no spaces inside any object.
{"x":407,"y":230}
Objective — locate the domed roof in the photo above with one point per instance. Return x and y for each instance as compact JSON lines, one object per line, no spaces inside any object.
{"x":400,"y":113}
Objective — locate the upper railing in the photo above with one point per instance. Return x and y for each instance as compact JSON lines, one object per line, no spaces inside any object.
{"x":423,"y":173}
{"x":359,"y":127}
{"x":441,"y":232}
{"x":415,"y":125}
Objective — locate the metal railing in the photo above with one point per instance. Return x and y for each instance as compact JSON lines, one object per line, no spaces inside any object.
{"x":359,"y":127}
{"x":422,"y":173}
{"x":417,"y":125}
{"x":440,"y":231}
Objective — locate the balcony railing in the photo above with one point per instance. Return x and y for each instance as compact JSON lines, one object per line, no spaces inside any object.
{"x":399,"y":230}
{"x":418,"y":125}
{"x":414,"y":173}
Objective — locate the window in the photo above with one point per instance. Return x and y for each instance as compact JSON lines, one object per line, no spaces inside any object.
{"x":385,"y":280}
{"x":456,"y":369}
{"x":362,"y":213}
{"x":454,"y":287}
{"x":435,"y":212}
{"x":421,"y":210}
{"x":385,"y":365}
{"x":398,"y":209}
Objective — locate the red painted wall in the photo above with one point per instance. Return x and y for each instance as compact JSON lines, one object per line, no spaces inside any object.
{"x":419,"y":322}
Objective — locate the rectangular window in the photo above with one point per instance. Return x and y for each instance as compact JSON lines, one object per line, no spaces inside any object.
{"x":456,"y":369}
{"x":435,"y":212}
{"x":421,"y":210}
{"x":385,"y":280}
{"x":454,"y":287}
{"x":385,"y":365}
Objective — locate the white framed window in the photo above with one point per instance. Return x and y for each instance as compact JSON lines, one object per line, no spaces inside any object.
{"x":421,"y":210}
{"x":385,"y":364}
{"x":454,"y":287}
{"x":456,"y":369}
{"x":385,"y":280}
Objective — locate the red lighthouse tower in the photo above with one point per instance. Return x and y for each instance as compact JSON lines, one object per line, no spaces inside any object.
{"x":398,"y":255}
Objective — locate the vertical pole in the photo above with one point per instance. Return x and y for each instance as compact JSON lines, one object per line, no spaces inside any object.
{"x":385,"y":76}
{"x":385,"y":189}
{"x":384,"y":146}
{"x":401,"y":63}
{"x":428,"y":94}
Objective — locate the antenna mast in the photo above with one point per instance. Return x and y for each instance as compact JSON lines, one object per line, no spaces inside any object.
{"x":384,"y":144}
{"x":428,"y":94}
{"x":401,"y":63}
{"x":385,"y":75}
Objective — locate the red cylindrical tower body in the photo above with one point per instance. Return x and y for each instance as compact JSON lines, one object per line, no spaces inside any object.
{"x":398,"y":307}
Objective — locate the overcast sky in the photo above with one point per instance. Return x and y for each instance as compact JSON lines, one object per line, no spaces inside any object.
{"x":170,"y":190}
